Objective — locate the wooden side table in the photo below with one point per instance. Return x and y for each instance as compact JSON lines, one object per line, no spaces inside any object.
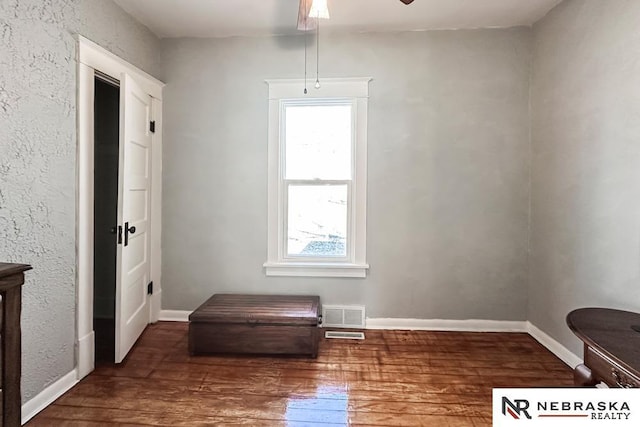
{"x":11,"y":280}
{"x":611,"y":346}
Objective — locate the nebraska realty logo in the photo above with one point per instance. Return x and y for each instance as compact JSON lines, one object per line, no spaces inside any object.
{"x":566,"y":407}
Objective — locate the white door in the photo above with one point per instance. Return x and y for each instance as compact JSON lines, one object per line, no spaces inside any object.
{"x":134,"y":186}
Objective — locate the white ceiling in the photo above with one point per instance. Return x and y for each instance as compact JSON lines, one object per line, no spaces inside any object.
{"x":223,"y":18}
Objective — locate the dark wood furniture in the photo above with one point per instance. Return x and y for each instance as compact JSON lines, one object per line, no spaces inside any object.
{"x":611,"y":346}
{"x":255,"y":324}
{"x":11,"y":280}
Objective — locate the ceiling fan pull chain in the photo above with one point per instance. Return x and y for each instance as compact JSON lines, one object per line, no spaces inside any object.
{"x":318,"y":53}
{"x":306,"y":20}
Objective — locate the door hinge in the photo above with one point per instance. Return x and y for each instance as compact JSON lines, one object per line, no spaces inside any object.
{"x":150,"y":288}
{"x":152,"y":126}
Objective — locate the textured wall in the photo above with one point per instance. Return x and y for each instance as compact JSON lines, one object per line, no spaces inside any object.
{"x":37,"y":160}
{"x":448,"y":170}
{"x":585,"y":228}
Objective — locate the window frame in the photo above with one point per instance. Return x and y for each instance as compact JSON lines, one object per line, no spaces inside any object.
{"x":283,"y":93}
{"x":286,"y":184}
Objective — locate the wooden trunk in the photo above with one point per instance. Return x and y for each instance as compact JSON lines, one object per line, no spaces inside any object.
{"x":255,"y":324}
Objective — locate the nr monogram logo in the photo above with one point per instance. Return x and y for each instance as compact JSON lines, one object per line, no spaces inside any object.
{"x":516,"y":409}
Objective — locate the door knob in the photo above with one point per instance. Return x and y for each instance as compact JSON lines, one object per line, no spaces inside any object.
{"x":128,"y":230}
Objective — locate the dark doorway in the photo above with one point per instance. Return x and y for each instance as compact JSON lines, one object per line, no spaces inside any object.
{"x":107,"y":137}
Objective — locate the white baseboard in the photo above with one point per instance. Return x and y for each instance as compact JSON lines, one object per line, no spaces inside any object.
{"x":470,"y":325}
{"x":553,"y":346}
{"x":48,"y":395}
{"x":473,"y":325}
{"x":154,"y":308}
{"x":174,"y":315}
{"x":86,"y":354}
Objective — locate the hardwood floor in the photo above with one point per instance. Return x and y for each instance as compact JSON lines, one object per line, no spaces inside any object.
{"x":393,"y":378}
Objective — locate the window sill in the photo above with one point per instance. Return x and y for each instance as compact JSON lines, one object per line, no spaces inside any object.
{"x":316,"y":269}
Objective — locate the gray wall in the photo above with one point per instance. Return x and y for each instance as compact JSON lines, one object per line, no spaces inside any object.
{"x":37,"y":160}
{"x":448,"y":170}
{"x":585,"y":226}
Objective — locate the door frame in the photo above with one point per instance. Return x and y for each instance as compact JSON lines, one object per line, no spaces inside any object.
{"x":92,"y":57}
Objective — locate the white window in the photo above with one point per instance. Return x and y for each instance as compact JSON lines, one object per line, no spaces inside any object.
{"x":317,"y":178}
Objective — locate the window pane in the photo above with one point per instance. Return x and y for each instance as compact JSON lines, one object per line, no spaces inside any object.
{"x":318,"y":142}
{"x":317,"y":220}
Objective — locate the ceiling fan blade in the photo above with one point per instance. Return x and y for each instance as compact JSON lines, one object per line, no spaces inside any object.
{"x":305,"y":23}
{"x":407,"y":1}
